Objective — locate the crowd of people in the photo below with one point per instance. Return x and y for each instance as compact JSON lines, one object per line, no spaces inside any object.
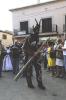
{"x":9,"y":57}
{"x":53,"y":52}
{"x":55,"y":58}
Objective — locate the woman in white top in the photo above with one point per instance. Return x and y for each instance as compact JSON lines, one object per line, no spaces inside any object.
{"x":64,"y":54}
{"x":59,"y":59}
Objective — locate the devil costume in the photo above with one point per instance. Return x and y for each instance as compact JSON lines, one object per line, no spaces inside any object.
{"x":30,"y":47}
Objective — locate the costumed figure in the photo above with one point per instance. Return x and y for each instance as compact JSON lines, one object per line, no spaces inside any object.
{"x":30,"y":47}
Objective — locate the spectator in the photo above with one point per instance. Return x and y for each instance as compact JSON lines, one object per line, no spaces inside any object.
{"x":59,"y":59}
{"x":45,"y":55}
{"x":15,"y":57}
{"x":51,"y":60}
{"x":64,"y":55}
{"x":1,"y":57}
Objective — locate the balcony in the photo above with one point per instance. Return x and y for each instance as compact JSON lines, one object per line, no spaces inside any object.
{"x":53,"y":32}
{"x":19,"y":34}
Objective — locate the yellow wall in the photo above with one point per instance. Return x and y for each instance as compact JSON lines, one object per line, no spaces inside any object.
{"x":8,"y":41}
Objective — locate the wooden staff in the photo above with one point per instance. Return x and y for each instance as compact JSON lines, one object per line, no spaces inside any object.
{"x":23,"y":67}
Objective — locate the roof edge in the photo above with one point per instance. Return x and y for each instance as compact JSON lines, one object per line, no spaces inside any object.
{"x":35,"y":5}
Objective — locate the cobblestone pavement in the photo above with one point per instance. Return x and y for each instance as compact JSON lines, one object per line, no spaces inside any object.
{"x":11,"y":90}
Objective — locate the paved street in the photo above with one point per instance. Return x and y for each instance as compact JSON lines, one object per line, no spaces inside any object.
{"x":11,"y":90}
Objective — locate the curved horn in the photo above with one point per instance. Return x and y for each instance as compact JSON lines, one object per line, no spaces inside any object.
{"x":36,"y":21}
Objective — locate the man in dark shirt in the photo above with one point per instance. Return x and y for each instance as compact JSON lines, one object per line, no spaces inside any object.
{"x":15,"y":57}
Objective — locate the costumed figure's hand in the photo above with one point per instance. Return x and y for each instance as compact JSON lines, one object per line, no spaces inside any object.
{"x":35,"y":54}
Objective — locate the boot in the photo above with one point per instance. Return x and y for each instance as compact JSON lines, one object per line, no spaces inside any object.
{"x":29,"y":82}
{"x":40,"y":85}
{"x":30,"y":86}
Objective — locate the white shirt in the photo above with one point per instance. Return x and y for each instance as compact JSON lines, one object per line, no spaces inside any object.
{"x":64,"y":51}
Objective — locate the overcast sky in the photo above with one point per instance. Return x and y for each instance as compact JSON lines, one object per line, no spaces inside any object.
{"x":6,"y":15}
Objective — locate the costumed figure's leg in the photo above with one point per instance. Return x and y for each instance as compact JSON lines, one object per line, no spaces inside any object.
{"x":38,"y":74}
{"x":29,"y":75}
{"x":25,"y":61}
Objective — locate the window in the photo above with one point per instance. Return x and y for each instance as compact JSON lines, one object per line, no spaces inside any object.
{"x":47,"y":25}
{"x":24,"y":26}
{"x":4,"y":36}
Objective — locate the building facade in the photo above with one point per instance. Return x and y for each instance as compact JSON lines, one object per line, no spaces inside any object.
{"x":52,"y":15}
{"x":6,"y":38}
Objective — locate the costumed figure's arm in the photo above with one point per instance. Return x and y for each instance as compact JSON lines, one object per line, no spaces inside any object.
{"x":28,"y":62}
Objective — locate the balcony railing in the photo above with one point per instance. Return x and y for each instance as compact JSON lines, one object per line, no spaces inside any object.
{"x":15,"y":32}
{"x":18,"y":32}
{"x":48,"y":29}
